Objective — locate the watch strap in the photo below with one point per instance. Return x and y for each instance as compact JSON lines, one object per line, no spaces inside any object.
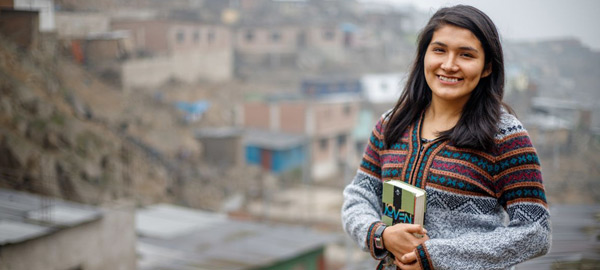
{"x":378,"y":236}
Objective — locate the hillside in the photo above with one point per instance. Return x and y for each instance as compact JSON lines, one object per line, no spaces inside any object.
{"x":65,"y":133}
{"x":52,"y":143}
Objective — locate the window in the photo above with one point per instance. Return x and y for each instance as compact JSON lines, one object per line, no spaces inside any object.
{"x":275,"y":36}
{"x":249,"y":36}
{"x":347,"y":109}
{"x":323,"y":143}
{"x":211,"y":36}
{"x":341,"y":140}
{"x":301,"y":39}
{"x":328,"y":34}
{"x":196,"y":36}
{"x":180,"y":36}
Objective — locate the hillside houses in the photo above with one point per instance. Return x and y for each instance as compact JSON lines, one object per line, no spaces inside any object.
{"x":184,"y":51}
{"x":222,"y":40}
{"x":151,"y":51}
{"x":327,"y":123}
{"x":255,"y":40}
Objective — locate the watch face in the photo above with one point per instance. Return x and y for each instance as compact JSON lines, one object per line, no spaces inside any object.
{"x":378,"y":243}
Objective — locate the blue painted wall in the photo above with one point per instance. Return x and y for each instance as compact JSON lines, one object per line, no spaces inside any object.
{"x":282,"y":160}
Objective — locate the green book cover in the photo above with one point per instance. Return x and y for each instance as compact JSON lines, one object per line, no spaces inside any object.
{"x":402,"y":203}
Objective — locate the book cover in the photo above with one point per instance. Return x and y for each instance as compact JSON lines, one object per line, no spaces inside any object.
{"x":402,"y":203}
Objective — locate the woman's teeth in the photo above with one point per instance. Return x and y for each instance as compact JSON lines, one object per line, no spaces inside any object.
{"x":446,"y":79}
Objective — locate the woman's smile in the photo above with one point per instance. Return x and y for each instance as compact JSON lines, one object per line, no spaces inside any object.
{"x":449,"y":80}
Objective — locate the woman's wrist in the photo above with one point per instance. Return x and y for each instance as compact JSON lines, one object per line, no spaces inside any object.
{"x":378,"y":237}
{"x":375,"y":243}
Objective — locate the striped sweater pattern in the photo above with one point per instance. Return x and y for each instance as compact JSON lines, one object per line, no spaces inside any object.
{"x":485,"y":209}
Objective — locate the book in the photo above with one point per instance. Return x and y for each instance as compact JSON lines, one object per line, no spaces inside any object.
{"x":402,"y":203}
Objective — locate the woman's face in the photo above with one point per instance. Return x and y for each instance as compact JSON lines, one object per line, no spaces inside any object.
{"x":454,"y":64}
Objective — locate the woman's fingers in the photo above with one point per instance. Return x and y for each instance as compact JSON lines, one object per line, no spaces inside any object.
{"x":403,"y":238}
{"x":408,"y":261}
{"x":408,"y":258}
{"x":407,"y":266}
{"x":398,"y":263}
{"x":415,"y":228}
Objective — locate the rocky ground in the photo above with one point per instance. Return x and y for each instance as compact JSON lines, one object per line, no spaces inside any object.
{"x":65,"y":133}
{"x":51,"y":142}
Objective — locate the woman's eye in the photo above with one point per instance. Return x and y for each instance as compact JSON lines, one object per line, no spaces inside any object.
{"x":467,"y":55}
{"x":438,"y":50}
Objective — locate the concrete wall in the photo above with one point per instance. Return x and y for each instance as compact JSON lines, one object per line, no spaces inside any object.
{"x":210,"y":65}
{"x":329,"y":152}
{"x":80,"y":24}
{"x":269,"y":47}
{"x":188,"y":37}
{"x":44,"y":7}
{"x":119,"y":5}
{"x":275,"y":46}
{"x":331,"y":118}
{"x":150,"y":36}
{"x":327,"y":39}
{"x":257,"y":115}
{"x":287,"y":39}
{"x":267,"y":40}
{"x":323,"y":160}
{"x":293,"y":117}
{"x":99,"y":50}
{"x":310,"y":118}
{"x":324,"y":36}
{"x":108,"y":243}
{"x":181,"y":51}
{"x":223,"y":152}
{"x":171,"y":38}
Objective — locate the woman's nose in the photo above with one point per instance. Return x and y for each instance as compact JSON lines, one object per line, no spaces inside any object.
{"x":449,"y":64}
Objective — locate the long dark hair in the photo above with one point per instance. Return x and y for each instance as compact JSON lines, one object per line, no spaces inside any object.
{"x":477,"y":125}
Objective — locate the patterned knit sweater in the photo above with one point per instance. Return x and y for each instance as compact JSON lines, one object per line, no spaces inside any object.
{"x":485,"y":210}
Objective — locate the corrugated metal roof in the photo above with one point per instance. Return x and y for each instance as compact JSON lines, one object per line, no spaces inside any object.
{"x":63,"y":215}
{"x":223,"y":243}
{"x":273,"y":140}
{"x":166,"y":221}
{"x":223,"y":132}
{"x":16,"y":231}
{"x":25,"y":216}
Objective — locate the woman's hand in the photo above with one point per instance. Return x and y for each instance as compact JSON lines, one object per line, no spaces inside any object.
{"x":408,"y":262}
{"x":400,"y":239}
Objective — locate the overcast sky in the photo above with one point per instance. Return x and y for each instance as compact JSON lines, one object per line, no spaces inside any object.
{"x":524,"y":20}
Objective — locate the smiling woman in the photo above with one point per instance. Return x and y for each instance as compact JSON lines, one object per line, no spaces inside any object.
{"x":451,"y":134}
{"x":454,"y":64}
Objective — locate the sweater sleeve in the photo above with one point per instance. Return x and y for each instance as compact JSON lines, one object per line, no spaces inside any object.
{"x":361,"y":210}
{"x":519,"y":190}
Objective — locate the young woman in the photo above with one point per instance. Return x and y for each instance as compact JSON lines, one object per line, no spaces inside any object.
{"x":451,"y":134}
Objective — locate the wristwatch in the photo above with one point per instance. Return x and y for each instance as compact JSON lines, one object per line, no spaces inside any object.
{"x":378,"y":237}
